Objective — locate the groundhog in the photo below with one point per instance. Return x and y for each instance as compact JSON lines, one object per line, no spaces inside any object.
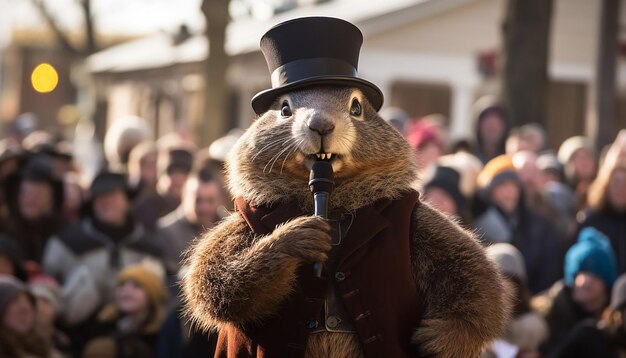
{"x":399,"y":278}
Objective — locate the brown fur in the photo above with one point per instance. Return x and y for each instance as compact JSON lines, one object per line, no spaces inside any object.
{"x":237,"y":279}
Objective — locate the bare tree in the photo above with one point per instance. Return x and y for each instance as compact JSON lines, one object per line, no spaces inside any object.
{"x":216,"y":65}
{"x":526,"y":31}
{"x":90,"y":45}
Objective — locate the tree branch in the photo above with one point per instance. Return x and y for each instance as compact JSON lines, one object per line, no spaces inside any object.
{"x":61,"y":37}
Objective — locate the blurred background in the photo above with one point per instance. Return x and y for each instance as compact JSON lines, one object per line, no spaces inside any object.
{"x":192,"y":66}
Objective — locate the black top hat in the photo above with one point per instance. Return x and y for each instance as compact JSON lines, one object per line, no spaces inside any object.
{"x":309,"y":51}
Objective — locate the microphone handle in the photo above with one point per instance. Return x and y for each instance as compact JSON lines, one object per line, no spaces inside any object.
{"x":321,"y":210}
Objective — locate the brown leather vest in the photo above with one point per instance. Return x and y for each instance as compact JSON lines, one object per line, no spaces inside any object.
{"x":372,"y":274}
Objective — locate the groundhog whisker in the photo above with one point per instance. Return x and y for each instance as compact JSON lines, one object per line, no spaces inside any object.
{"x":295,"y":148}
{"x":270,"y":145}
{"x":275,"y":158}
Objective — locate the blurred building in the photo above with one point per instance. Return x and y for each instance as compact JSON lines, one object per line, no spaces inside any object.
{"x":426,"y":55}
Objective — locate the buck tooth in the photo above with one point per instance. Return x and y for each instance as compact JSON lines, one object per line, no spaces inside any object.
{"x":329,"y":155}
{"x":323,"y":155}
{"x":318,"y":156}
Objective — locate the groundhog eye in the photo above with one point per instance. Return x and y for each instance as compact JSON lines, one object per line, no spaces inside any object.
{"x":285,"y":110}
{"x":355,"y":108}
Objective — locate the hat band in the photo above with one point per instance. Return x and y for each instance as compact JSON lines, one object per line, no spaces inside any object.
{"x":311,"y":67}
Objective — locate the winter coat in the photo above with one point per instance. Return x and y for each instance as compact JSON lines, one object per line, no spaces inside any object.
{"x":148,"y":209}
{"x":613,"y":225}
{"x":178,"y":340}
{"x":86,"y":262}
{"x":587,"y":340}
{"x":560,"y":312}
{"x":363,"y":270}
{"x":175,"y":233}
{"x":533,"y":235}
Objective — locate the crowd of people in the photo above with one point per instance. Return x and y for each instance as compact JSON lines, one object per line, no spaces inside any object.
{"x":90,"y":267}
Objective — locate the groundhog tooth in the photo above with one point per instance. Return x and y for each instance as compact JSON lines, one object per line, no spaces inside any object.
{"x":318,"y":156}
{"x":323,"y":155}
{"x":329,"y":155}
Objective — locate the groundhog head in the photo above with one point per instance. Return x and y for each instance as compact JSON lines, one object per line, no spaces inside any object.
{"x":318,"y":109}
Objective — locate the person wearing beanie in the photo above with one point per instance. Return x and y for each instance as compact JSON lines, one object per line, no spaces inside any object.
{"x":87,"y":256}
{"x":526,"y":329}
{"x":174,"y":166}
{"x":129,"y":326}
{"x":19,"y":335}
{"x":589,"y":274}
{"x":507,"y":219}
{"x":491,"y":125}
{"x":605,"y":338}
{"x":442,"y":191}
{"x":425,"y":137}
{"x":45,"y":291}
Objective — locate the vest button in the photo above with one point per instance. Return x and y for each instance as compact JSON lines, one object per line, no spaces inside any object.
{"x":311,"y":324}
{"x":332,"y":321}
{"x":340,"y":276}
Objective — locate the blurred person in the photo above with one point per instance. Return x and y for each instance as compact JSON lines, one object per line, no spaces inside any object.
{"x":508,"y":219}
{"x":10,"y":156}
{"x":442,"y":191}
{"x":45,"y":291}
{"x":212,"y":159}
{"x":468,"y":166}
{"x":35,"y":206}
{"x":24,"y":124}
{"x":537,"y":196}
{"x":589,"y":273}
{"x":526,"y":329}
{"x":180,"y":338}
{"x":198,"y":211}
{"x":86,"y":257}
{"x":142,"y":168}
{"x":532,"y":137}
{"x":175,"y":164}
{"x":396,"y":117}
{"x":58,"y":150}
{"x":578,"y":157}
{"x":426,"y":141}
{"x":606,"y":338}
{"x":129,"y":326}
{"x":72,"y":198}
{"x":19,"y":335}
{"x":121,"y":137}
{"x":491,"y":128}
{"x":550,"y":168}
{"x":607,"y":209}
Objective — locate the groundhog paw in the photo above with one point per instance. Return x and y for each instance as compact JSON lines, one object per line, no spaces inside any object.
{"x":307,"y":238}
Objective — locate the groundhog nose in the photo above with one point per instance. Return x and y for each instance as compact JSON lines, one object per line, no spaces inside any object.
{"x":321,"y":125}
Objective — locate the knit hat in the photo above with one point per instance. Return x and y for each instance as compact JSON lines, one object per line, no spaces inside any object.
{"x":46,"y":287}
{"x":148,"y":279}
{"x":447,"y":179}
{"x":10,"y":287}
{"x":591,"y":253}
{"x":571,"y":145}
{"x":495,"y":172}
{"x":509,"y":260}
{"x":422,"y":133}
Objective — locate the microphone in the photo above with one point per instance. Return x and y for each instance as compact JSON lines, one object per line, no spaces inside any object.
{"x":321,"y":184}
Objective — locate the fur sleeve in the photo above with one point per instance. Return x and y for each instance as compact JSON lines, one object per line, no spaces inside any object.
{"x":235,"y":278}
{"x":466,"y":302}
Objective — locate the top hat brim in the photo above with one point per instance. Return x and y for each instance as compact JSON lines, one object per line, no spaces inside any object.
{"x":263,"y":100}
